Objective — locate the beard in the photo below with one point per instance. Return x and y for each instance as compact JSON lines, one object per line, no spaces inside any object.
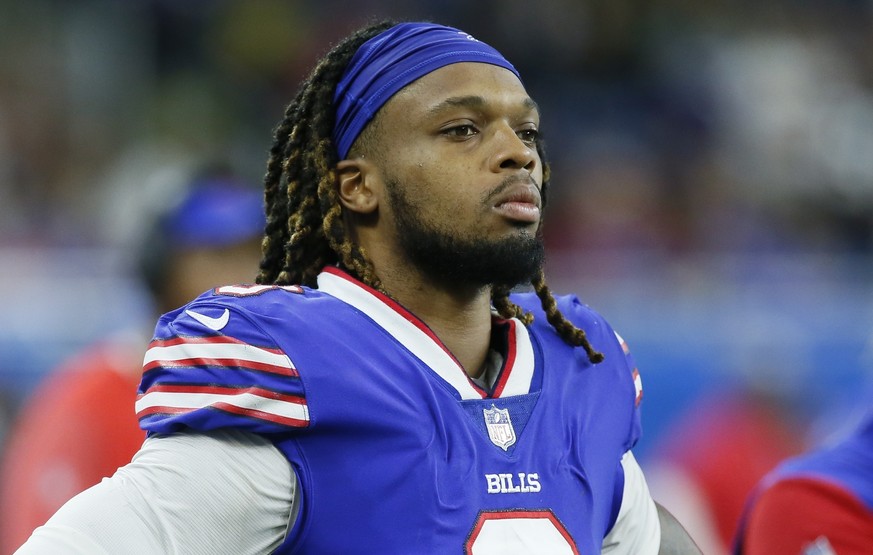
{"x":457,"y":259}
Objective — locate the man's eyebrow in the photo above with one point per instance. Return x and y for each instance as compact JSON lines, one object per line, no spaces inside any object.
{"x":474,"y":101}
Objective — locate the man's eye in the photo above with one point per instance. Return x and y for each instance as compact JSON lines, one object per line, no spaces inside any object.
{"x":529,"y":136}
{"x":461,"y":131}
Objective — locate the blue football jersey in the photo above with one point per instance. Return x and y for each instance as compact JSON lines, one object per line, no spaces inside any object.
{"x":395,"y":449}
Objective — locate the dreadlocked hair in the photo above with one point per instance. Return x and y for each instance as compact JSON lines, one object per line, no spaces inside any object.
{"x":305,"y":230}
{"x":507,"y":309}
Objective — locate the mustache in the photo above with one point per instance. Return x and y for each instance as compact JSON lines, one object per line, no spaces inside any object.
{"x":512,"y":181}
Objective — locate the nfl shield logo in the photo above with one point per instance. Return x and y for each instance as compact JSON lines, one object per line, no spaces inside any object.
{"x":499,"y":426}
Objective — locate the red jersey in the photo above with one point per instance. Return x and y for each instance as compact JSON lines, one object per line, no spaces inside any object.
{"x":77,"y":427}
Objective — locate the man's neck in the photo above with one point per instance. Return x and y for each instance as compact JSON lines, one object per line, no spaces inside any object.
{"x":460,"y":317}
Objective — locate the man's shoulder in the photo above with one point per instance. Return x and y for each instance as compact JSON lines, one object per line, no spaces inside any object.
{"x":230,"y":359}
{"x":569,"y":304}
{"x":225,"y":308}
{"x":577,"y":312}
{"x":256,"y":298}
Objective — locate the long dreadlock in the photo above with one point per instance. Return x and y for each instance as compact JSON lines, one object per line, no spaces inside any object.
{"x":305,"y":230}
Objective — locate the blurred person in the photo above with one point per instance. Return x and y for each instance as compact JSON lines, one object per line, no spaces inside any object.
{"x":714,"y":454}
{"x":381,"y":389}
{"x":80,"y":424}
{"x":817,"y":503}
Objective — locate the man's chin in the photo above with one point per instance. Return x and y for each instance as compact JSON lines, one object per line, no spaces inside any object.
{"x":479,"y":264}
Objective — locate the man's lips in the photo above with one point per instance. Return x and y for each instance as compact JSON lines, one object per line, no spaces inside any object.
{"x":519,"y":202}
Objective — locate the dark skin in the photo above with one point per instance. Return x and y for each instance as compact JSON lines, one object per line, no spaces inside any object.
{"x":452,"y":154}
{"x":451,"y":139}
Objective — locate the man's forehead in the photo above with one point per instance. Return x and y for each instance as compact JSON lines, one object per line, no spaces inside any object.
{"x":468,"y":85}
{"x":477,"y":102}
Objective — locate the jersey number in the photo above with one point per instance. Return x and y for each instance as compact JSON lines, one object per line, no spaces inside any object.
{"x":497,"y":533}
{"x":251,"y":290}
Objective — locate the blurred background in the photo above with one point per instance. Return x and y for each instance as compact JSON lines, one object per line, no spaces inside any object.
{"x":712,"y":189}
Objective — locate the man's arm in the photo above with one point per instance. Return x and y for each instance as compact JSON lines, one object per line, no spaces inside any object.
{"x":636,"y":529}
{"x":674,"y":539}
{"x":217,"y":492}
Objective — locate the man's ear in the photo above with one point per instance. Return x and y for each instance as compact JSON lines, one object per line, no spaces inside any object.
{"x":359,"y":185}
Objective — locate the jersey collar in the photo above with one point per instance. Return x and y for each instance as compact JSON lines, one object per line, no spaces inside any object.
{"x":518,"y":368}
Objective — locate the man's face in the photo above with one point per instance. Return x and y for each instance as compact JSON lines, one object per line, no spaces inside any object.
{"x":457,"y":151}
{"x":193,"y":270}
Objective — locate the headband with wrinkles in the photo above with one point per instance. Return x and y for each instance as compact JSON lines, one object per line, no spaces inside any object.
{"x":393,"y":59}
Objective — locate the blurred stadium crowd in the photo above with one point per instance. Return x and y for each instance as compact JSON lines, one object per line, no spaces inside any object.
{"x":712,"y":188}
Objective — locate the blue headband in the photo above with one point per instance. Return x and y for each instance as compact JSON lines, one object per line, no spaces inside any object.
{"x":393,"y":59}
